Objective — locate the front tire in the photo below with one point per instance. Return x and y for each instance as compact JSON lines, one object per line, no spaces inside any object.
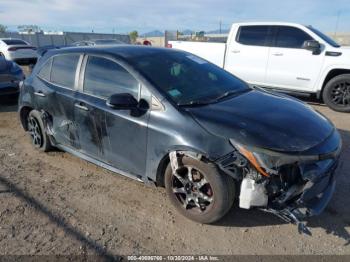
{"x":38,"y":136}
{"x":199,"y":191}
{"x":336,"y":93}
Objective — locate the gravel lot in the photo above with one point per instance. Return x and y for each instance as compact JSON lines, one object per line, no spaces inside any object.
{"x":55,"y":203}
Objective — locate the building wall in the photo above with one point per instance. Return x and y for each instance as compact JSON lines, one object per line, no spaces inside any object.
{"x":67,"y":38}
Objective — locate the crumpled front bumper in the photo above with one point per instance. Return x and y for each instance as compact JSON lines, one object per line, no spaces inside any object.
{"x":317,"y":194}
{"x":297,"y":189}
{"x":312,"y":201}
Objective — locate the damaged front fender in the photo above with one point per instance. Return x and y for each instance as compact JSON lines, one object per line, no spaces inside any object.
{"x":293,"y":189}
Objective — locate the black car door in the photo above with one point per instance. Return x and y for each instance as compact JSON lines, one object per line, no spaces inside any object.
{"x":56,"y":96}
{"x":116,"y":137}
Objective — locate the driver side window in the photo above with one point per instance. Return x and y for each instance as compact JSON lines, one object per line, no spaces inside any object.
{"x":104,"y":77}
{"x":291,"y":37}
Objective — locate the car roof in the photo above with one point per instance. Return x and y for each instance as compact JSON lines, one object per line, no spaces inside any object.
{"x":268,"y":23}
{"x":122,"y":51}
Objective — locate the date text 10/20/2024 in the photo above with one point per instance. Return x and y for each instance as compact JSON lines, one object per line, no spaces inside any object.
{"x":173,"y":258}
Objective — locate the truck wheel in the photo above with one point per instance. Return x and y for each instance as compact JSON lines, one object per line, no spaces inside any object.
{"x":35,"y":126}
{"x":198,"y":191}
{"x":336,"y":93}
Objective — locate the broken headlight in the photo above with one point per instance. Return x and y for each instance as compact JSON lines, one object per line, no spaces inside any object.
{"x":267,"y":161}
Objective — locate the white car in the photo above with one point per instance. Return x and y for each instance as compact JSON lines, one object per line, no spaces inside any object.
{"x":18,"y":51}
{"x":287,"y":57}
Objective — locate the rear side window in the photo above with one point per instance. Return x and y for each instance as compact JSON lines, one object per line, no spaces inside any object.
{"x":104,"y":77}
{"x":291,"y":37}
{"x":14,"y":42}
{"x":64,"y":69}
{"x":44,"y":72}
{"x":254,"y":35}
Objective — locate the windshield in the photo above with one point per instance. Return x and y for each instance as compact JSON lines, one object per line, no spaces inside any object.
{"x":324,"y":37}
{"x":187,"y":79}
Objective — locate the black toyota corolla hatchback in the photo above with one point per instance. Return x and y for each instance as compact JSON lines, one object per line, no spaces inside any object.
{"x":172,"y":119}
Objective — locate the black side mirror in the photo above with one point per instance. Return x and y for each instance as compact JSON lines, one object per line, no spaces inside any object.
{"x":122,"y":101}
{"x":312,"y":45}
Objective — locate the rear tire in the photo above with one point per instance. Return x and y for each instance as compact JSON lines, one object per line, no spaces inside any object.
{"x":207,"y":199}
{"x":336,"y":93}
{"x":38,"y":136}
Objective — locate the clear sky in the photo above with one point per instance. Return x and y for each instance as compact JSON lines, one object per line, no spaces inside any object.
{"x":126,"y":15}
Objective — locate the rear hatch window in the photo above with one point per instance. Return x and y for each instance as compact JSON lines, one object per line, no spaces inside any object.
{"x":14,"y":42}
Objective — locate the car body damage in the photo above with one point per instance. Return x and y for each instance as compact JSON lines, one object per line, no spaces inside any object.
{"x":200,"y":143}
{"x":291,"y":186}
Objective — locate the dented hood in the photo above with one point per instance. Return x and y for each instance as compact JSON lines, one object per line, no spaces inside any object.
{"x":265,"y":120}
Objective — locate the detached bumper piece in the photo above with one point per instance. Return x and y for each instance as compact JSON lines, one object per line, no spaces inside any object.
{"x":314,"y":198}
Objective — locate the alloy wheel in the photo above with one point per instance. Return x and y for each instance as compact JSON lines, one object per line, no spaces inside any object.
{"x":340,"y":94}
{"x":35,"y":131}
{"x":192,"y":189}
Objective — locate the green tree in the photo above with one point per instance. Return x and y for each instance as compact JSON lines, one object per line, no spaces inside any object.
{"x":2,"y":28}
{"x":133,"y":36}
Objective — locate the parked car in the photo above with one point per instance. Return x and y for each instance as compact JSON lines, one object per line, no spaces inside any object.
{"x":18,"y":51}
{"x":172,"y":119}
{"x":95,"y":42}
{"x":10,"y":76}
{"x":287,"y":57}
{"x":43,"y":49}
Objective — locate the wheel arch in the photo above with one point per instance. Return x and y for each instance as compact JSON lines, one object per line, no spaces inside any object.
{"x":23,"y":114}
{"x":333,"y":72}
{"x":163,"y":163}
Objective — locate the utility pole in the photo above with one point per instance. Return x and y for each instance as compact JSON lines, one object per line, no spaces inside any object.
{"x":336,"y":24}
{"x":220,"y":27}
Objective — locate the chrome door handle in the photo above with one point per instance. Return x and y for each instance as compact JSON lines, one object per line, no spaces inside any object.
{"x":236,"y":51}
{"x":39,"y":93}
{"x":82,"y":107}
{"x":278,"y":54}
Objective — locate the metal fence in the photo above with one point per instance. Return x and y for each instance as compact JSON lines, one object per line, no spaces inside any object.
{"x":67,"y":38}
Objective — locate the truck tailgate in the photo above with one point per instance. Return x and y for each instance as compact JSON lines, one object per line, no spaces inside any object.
{"x":213,"y":52}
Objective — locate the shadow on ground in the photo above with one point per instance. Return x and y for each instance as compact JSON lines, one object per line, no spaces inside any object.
{"x":59,"y":221}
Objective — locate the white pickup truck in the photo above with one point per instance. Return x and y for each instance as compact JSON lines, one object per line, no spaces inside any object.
{"x":287,"y":57}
